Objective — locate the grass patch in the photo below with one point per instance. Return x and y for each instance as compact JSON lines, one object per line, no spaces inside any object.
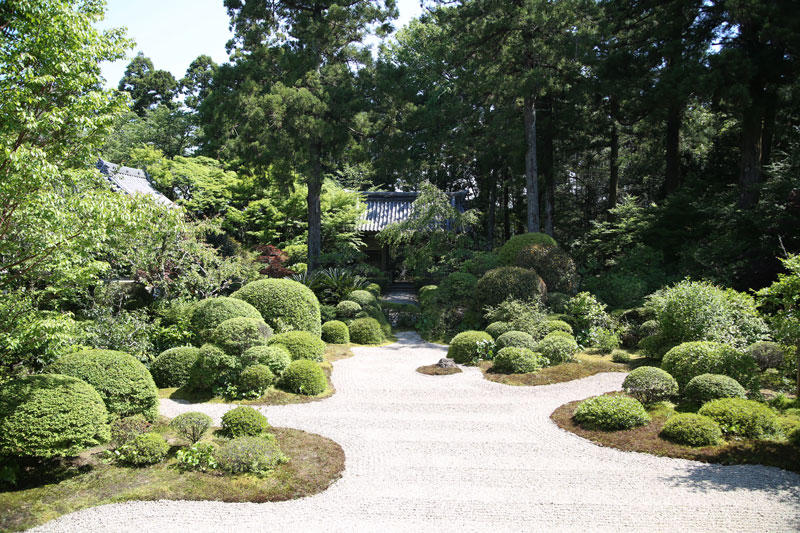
{"x":646,"y":439}
{"x":436,"y":370}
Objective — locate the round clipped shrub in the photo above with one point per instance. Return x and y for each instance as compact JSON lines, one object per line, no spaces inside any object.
{"x":495,"y":329}
{"x":144,"y":449}
{"x":173,"y":367}
{"x":124,"y":383}
{"x":553,"y":264}
{"x":742,"y":418}
{"x":766,"y":354}
{"x":256,"y":455}
{"x":428,"y":294}
{"x":283,"y":304}
{"x":236,"y":335}
{"x":214,"y":367}
{"x":347,"y":309}
{"x":620,"y":356}
{"x":458,"y":287}
{"x":513,"y":360}
{"x":276,"y":357}
{"x":304,"y":377}
{"x":649,"y":384}
{"x":691,"y":359}
{"x":374,"y":288}
{"x":256,"y":379}
{"x":611,"y":413}
{"x":464,"y":348}
{"x":50,"y":415}
{"x":558,"y":347}
{"x":301,"y":344}
{"x":518,"y":339}
{"x":209,"y":313}
{"x":648,"y":328}
{"x":557,"y":325}
{"x":366,"y":331}
{"x":244,"y":421}
{"x":707,"y":387}
{"x":335,"y":332}
{"x":509,"y":252}
{"x":692,"y":430}
{"x":502,"y":283}
{"x":363,"y":298}
{"x":191,"y":426}
{"x":327,"y":313}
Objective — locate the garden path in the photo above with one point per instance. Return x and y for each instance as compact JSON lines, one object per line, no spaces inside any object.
{"x":459,"y":453}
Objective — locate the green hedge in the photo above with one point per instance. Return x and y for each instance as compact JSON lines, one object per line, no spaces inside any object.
{"x":611,"y":413}
{"x":257,"y":455}
{"x":508,"y":282}
{"x":145,"y":449}
{"x":209,"y":313}
{"x":366,"y":331}
{"x":336,"y":332}
{"x":173,"y":367}
{"x":742,"y":418}
{"x":691,"y":359}
{"x":513,"y":360}
{"x":509,"y":252}
{"x":495,"y":329}
{"x":304,"y":377}
{"x":283,"y":304}
{"x":464,"y":348}
{"x":214,"y":368}
{"x":518,"y":339}
{"x":363,"y":298}
{"x":707,"y":387}
{"x":277,"y":357}
{"x":301,"y":344}
{"x":256,"y":379}
{"x":236,"y":335}
{"x":558,"y":347}
{"x":692,"y":430}
{"x":649,"y":384}
{"x":553,"y":264}
{"x":244,"y":421}
{"x":347,"y":309}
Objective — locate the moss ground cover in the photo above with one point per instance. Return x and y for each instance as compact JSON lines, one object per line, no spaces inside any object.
{"x":584,"y":365}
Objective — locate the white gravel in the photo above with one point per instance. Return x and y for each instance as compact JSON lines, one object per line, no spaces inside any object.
{"x":459,"y":453}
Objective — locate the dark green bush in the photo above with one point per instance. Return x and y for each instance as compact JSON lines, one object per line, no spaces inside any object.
{"x":586,"y":312}
{"x":649,"y":384}
{"x":366,"y":331}
{"x":691,"y":359}
{"x":125,"y":429}
{"x":509,"y":252}
{"x":256,"y":455}
{"x":276,"y":357}
{"x":480,"y":263}
{"x":518,"y":339}
{"x":244,"y":421}
{"x":620,"y":356}
{"x":327,"y":312}
{"x":284,"y":304}
{"x":214,"y":368}
{"x":553,"y":264}
{"x":124,"y":383}
{"x":557,"y":301}
{"x":767,"y":354}
{"x":363,"y":298}
{"x":742,"y":418}
{"x":347,"y":309}
{"x":236,"y":335}
{"x":495,"y":329}
{"x":617,"y":289}
{"x":191,"y":426}
{"x":335,"y":332}
{"x":301,"y":344}
{"x":427,"y":295}
{"x":558,"y":347}
{"x":648,"y":328}
{"x":50,"y":415}
{"x":557,"y":325}
{"x":209,"y":313}
{"x":508,"y":282}
{"x":304,"y":377}
{"x":513,"y":360}
{"x":707,"y":387}
{"x":611,"y":413}
{"x":374,"y":288}
{"x":173,"y":367}
{"x":692,"y":430}
{"x":458,"y":287}
{"x":145,"y":449}
{"x":605,"y":340}
{"x":465,"y":349}
{"x":255,"y":379}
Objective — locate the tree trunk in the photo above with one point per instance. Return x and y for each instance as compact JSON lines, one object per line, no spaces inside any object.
{"x":672,"y":177}
{"x":613,"y":165}
{"x":768,"y":128}
{"x":750,"y":165}
{"x":314,"y":211}
{"x":490,"y":212}
{"x":548,"y":168}
{"x":506,"y":212}
{"x":531,"y":166}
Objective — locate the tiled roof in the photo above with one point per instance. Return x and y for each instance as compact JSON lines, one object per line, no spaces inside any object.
{"x":384,"y":208}
{"x":131,"y":181}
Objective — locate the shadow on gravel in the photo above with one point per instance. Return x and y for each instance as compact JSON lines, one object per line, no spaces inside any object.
{"x":779,"y":485}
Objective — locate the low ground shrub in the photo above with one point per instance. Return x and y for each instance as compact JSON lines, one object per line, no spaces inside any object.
{"x":145,"y":449}
{"x":256,"y":455}
{"x":691,"y":359}
{"x":209,"y":313}
{"x":557,"y":325}
{"x":244,"y":421}
{"x":363,"y":298}
{"x":255,"y":379}
{"x":518,"y":339}
{"x":304,"y":377}
{"x":191,"y":426}
{"x":767,"y":354}
{"x":605,"y":340}
{"x":347,"y":309}
{"x":611,"y":413}
{"x":301,"y":344}
{"x":742,"y":418}
{"x":649,"y":384}
{"x":503,"y":283}
{"x":707,"y":387}
{"x":692,"y":430}
{"x":199,"y":456}
{"x":465,"y":348}
{"x":513,"y":360}
{"x":236,"y":335}
{"x":558,"y":347}
{"x":366,"y":331}
{"x":509,"y":252}
{"x":214,"y":368}
{"x":553,"y":264}
{"x":335,"y":332}
{"x":495,"y":329}
{"x":125,"y":429}
{"x":284,"y":304}
{"x":173,"y":367}
{"x":620,"y":356}
{"x":276,"y":357}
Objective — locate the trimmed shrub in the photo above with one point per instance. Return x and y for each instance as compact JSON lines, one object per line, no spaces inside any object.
{"x":464,"y":348}
{"x":191,"y":426}
{"x":374,"y":288}
{"x":125,"y":429}
{"x":692,"y":430}
{"x":124,"y":383}
{"x":649,"y":384}
{"x":620,"y":356}
{"x":428,"y":294}
{"x":458,"y":287}
{"x":304,"y":377}
{"x":553,"y":264}
{"x":256,"y":379}
{"x":244,"y":421}
{"x":256,"y":455}
{"x":173,"y":367}
{"x":649,"y":328}
{"x":366,"y":331}
{"x":707,"y":387}
{"x":691,"y":359}
{"x":144,"y":449}
{"x":509,"y":252}
{"x":480,"y":263}
{"x":518,"y":339}
{"x":236,"y":335}
{"x":557,"y":325}
{"x":495,"y":329}
{"x":276,"y":357}
{"x":50,"y":415}
{"x":301,"y":344}
{"x":284,"y":304}
{"x":742,"y":418}
{"x":558,"y":347}
{"x":209,"y":313}
{"x":513,"y":360}
{"x":503,"y":283}
{"x":363,"y":298}
{"x":335,"y":332}
{"x":767,"y":354}
{"x":214,"y":368}
{"x":347,"y":309}
{"x":557,"y":301}
{"x":611,"y":413}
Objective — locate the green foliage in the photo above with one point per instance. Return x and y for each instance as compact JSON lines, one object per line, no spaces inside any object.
{"x":304,"y":377}
{"x":191,"y":426}
{"x":347,"y":309}
{"x":363,"y":298}
{"x":244,"y":421}
{"x":148,"y":87}
{"x":277,"y":357}
{"x":123,"y":382}
{"x":509,"y":252}
{"x":557,"y":325}
{"x":558,"y":347}
{"x":209,"y":313}
{"x":742,"y":418}
{"x":366,"y":331}
{"x":604,"y":339}
{"x":518,"y":339}
{"x":649,"y":384}
{"x":620,"y":356}
{"x":255,"y":380}
{"x":553,"y":264}
{"x":692,"y":430}
{"x":333,"y":284}
{"x":300,"y":344}
{"x":284,"y":304}
{"x":173,"y":367}
{"x":131,"y":332}
{"x":214,"y":368}
{"x":617,"y":289}
{"x":611,"y":413}
{"x":327,"y":313}
{"x":767,"y":354}
{"x":49,"y":415}
{"x":480,"y":263}
{"x":513,"y":360}
{"x":464,"y":348}
{"x":495,"y":329}
{"x":585,"y":313}
{"x":145,"y":449}
{"x":527,"y":316}
{"x":123,"y":430}
{"x":706,"y":387}
{"x":557,"y":301}
{"x":199,"y":456}
{"x":335,"y":332}
{"x":236,"y":335}
{"x":255,"y":455}
{"x":374,"y":288}
{"x":691,"y":359}
{"x":458,"y":287}
{"x":505,"y":283}
{"x":428,"y":295}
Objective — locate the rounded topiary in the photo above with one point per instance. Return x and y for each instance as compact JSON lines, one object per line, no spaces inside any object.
{"x":276,"y":357}
{"x":301,"y":344}
{"x":173,"y":367}
{"x":742,"y":418}
{"x":648,"y":328}
{"x":649,"y":384}
{"x":374,"y":288}
{"x":304,"y":377}
{"x":767,"y":354}
{"x":502,"y":283}
{"x":255,"y":379}
{"x":458,"y":287}
{"x":236,"y":335}
{"x":124,"y":383}
{"x":213,"y":368}
{"x":244,"y":421}
{"x":191,"y":426}
{"x":428,"y":294}
{"x":366,"y":331}
{"x":363,"y":298}
{"x":707,"y":387}
{"x":50,"y":415}
{"x":513,"y":360}
{"x":283,"y":304}
{"x":692,"y":430}
{"x":509,"y":252}
{"x":145,"y":449}
{"x":557,"y":325}
{"x":558,"y":347}
{"x":209,"y":313}
{"x":495,"y":329}
{"x":464,"y":347}
{"x":611,"y":413}
{"x":691,"y":359}
{"x":553,"y":264}
{"x":620,"y":356}
{"x":249,"y":454}
{"x":335,"y":332}
{"x":518,"y":339}
{"x":347,"y":309}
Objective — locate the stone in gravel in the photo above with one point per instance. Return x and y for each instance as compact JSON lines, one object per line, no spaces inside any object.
{"x":446,"y":362}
